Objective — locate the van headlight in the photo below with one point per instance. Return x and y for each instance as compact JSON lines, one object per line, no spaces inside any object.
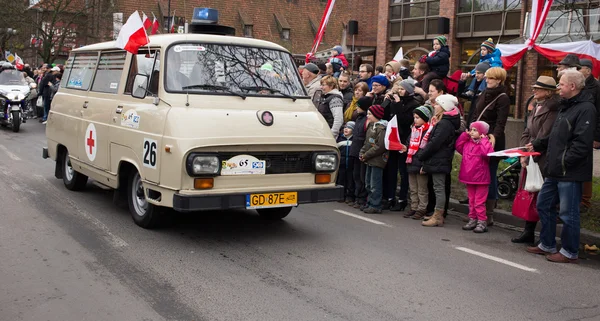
{"x":325,"y":162}
{"x":203,"y":165}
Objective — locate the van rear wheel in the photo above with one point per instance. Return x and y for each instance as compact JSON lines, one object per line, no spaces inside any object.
{"x":144,"y":214}
{"x":274,"y":214}
{"x":73,"y":180}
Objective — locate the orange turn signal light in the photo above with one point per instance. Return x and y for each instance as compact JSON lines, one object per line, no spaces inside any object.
{"x":204,"y":183}
{"x":322,"y":178}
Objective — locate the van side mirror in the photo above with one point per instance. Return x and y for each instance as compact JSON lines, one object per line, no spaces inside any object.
{"x":140,"y":83}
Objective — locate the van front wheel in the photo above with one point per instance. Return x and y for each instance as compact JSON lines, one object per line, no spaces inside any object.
{"x":274,"y":214}
{"x":143,"y":213}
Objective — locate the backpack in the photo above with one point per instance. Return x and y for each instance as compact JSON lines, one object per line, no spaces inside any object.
{"x":452,"y":82}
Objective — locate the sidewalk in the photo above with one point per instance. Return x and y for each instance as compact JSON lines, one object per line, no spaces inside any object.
{"x":504,"y":217}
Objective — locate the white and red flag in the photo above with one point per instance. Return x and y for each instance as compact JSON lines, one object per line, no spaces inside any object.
{"x":322,"y":27}
{"x":146,"y":21}
{"x":172,"y":29}
{"x":154,"y":25}
{"x":399,"y":55}
{"x":392,"y":136}
{"x":19,"y":62}
{"x":513,"y":152}
{"x":132,"y":35}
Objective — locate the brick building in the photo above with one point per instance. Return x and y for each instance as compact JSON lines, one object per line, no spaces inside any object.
{"x":412,"y":25}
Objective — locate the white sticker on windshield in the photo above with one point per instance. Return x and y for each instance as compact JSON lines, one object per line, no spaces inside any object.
{"x":180,"y":48}
{"x":220,"y":71}
{"x":114,"y":85}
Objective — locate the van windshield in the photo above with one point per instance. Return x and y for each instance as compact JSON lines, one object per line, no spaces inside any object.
{"x":229,"y":69}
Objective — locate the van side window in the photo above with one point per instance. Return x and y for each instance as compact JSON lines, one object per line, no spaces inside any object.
{"x":109,"y":71}
{"x":144,"y":63}
{"x":68,"y":68}
{"x":82,"y":72}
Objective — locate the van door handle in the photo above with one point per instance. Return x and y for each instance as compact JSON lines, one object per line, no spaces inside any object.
{"x":119,"y":109}
{"x":85,"y":104}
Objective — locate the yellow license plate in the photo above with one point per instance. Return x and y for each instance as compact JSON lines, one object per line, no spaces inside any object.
{"x":272,"y":200}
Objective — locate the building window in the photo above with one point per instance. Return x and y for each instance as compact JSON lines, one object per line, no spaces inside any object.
{"x":484,"y":18}
{"x":247,"y":24}
{"x":413,"y":20}
{"x":283,"y":26}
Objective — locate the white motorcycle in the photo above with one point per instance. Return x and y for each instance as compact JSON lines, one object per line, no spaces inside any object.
{"x":14,"y":94}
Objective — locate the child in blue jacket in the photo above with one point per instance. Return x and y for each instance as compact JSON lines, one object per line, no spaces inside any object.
{"x":489,"y":54}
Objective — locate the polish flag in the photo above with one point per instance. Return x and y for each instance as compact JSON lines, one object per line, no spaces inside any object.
{"x":132,"y":35}
{"x":399,"y":55}
{"x":19,"y":62}
{"x":172,"y":29}
{"x":146,"y":21}
{"x":514,"y":152}
{"x":154,"y":26}
{"x":392,"y":136}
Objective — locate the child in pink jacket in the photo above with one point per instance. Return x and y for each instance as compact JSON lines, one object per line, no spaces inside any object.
{"x":475,"y":172}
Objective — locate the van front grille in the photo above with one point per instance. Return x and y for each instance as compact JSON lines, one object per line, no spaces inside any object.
{"x":279,"y":162}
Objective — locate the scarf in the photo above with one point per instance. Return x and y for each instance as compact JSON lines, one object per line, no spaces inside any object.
{"x":416,"y":142}
{"x":350,"y":110}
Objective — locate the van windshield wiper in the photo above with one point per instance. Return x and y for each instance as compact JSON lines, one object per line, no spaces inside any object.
{"x":273,"y":91}
{"x":215,"y":87}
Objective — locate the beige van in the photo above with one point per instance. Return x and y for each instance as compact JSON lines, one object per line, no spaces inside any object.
{"x":192,"y":122}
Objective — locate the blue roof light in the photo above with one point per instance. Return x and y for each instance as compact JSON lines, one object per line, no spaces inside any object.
{"x":205,"y":16}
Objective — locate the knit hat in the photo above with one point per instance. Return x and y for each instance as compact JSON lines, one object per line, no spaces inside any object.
{"x":350,"y":125}
{"x":482,"y":67}
{"x":423,"y":112}
{"x":570,"y":60}
{"x":408,"y":85}
{"x":586,"y":63}
{"x":489,"y":44}
{"x":364,"y":102}
{"x":481,"y":126}
{"x":447,"y":102}
{"x":339,"y":49}
{"x":376,"y":111}
{"x":382,"y":80}
{"x":322,"y":67}
{"x":442,"y":40}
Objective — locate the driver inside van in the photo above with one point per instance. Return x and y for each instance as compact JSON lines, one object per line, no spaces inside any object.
{"x":176,"y":80}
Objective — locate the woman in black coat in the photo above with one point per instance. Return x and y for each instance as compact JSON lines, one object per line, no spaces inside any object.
{"x":358,"y":140}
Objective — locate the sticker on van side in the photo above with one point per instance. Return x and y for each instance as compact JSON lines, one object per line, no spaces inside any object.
{"x":131,"y":119}
{"x":149,"y":154}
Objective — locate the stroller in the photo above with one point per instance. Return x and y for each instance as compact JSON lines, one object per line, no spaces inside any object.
{"x":508,"y":179}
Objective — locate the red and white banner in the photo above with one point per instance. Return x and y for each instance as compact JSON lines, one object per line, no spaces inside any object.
{"x":392,"y":136}
{"x":513,"y":152}
{"x":132,"y":35}
{"x":321,"y":30}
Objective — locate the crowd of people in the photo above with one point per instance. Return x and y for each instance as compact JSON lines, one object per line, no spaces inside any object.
{"x":561,"y":126}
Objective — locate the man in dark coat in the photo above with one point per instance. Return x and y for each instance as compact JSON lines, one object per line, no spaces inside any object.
{"x":592,"y":88}
{"x":569,"y":164}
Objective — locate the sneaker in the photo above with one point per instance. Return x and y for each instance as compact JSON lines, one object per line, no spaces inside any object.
{"x":372,"y":210}
{"x":44,"y":122}
{"x":470,"y":225}
{"x":481,"y":227}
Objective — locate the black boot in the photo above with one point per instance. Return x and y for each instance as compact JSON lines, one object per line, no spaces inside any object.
{"x":528,"y":235}
{"x":399,"y":206}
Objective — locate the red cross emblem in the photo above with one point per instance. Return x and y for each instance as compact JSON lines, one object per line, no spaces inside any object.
{"x":91,"y":142}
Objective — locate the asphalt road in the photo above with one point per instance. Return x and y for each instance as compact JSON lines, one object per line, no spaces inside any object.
{"x":76,"y":256}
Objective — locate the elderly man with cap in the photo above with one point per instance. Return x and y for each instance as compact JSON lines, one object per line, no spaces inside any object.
{"x":571,"y":62}
{"x":592,"y":89}
{"x":568,"y":164}
{"x":312,"y":80}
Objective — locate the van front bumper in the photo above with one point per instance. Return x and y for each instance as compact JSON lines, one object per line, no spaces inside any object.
{"x":191,"y":203}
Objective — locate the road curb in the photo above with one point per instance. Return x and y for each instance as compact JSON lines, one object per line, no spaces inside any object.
{"x":504,"y":217}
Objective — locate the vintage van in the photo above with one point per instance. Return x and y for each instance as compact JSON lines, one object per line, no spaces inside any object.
{"x":192,"y":122}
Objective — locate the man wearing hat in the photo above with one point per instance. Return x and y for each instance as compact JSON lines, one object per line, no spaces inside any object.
{"x":592,"y":89}
{"x":571,"y":61}
{"x":312,"y":80}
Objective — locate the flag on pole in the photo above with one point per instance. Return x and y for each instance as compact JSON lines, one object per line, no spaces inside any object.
{"x":513,"y":152}
{"x":322,"y":27}
{"x":146,"y":21}
{"x":132,"y":35}
{"x":172,"y":29}
{"x":399,"y":55}
{"x":154,"y":25}
{"x":392,"y":136}
{"x":19,"y":62}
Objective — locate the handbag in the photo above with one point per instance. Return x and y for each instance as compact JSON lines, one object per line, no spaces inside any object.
{"x":486,"y":107}
{"x":525,"y":202}
{"x":534,"y":180}
{"x":40,"y":102}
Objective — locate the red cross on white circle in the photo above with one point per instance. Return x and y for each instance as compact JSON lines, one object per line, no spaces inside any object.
{"x":91,"y":142}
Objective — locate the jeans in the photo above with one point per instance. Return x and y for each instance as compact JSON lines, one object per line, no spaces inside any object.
{"x":439,"y":187}
{"x":568,"y":195}
{"x":359,"y":173}
{"x":374,"y":180}
{"x":432,"y":196}
{"x":396,"y":163}
{"x":493,"y":189}
{"x":46,"y":108}
{"x":477,"y":197}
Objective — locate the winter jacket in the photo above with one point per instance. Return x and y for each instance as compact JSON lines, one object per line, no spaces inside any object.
{"x":475,"y":165}
{"x":440,"y":62}
{"x":348,"y":94}
{"x":415,"y":165}
{"x":492,"y":58}
{"x":437,"y":155}
{"x":570,"y":144}
{"x":373,"y":151}
{"x":496,"y":115}
{"x":592,"y":88}
{"x":332,"y":109}
{"x":313,"y":86}
{"x":45,"y":89}
{"x":344,"y":144}
{"x":359,"y":135}
{"x":404,"y":73}
{"x":341,"y":57}
{"x":403,"y":111}
{"x":539,"y":124}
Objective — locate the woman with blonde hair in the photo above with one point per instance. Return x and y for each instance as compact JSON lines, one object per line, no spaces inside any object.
{"x":360,"y":90}
{"x":493,"y":106}
{"x":332,"y":104}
